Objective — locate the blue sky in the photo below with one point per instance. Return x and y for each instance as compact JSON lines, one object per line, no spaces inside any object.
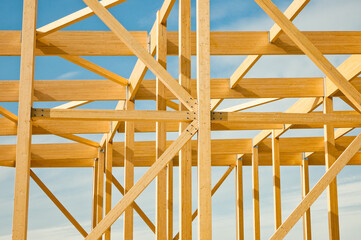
{"x":73,"y":186}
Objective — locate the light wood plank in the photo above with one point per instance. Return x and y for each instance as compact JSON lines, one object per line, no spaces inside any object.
{"x":276,"y":180}
{"x":305,"y":181}
{"x":204,"y":125}
{"x":73,"y":18}
{"x":95,"y":194}
{"x":96,"y":69}
{"x":128,"y":220}
{"x":108,"y":182}
{"x":239,"y":200}
{"x":185,"y":155}
{"x":111,"y":115}
{"x":57,"y":203}
{"x":135,"y":206}
{"x":141,"y":53}
{"x":71,"y":105}
{"x":9,"y":115}
{"x":142,"y":183}
{"x":24,"y":132}
{"x":291,"y":13}
{"x":255,"y":189}
{"x":100,"y":188}
{"x":312,"y":52}
{"x":248,"y":105}
{"x":320,"y":186}
{"x":161,"y":135}
{"x":330,"y":157}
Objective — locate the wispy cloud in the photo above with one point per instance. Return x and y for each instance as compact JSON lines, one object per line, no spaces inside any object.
{"x":68,"y":75}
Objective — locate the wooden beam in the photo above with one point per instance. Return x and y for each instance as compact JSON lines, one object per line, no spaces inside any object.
{"x":135,"y":206}
{"x":349,"y":68}
{"x":141,"y":53}
{"x":305,"y":181}
{"x":312,"y":52}
{"x":104,"y":90}
{"x":239,"y":200}
{"x":73,"y":18}
{"x":335,"y":119}
{"x":96,"y":69}
{"x":9,"y":115}
{"x":291,"y":13}
{"x":142,"y":183}
{"x":128,"y":219}
{"x":170,"y":200}
{"x":71,"y":105}
{"x":111,"y":115}
{"x":108,"y":182}
{"x":100,"y":188}
{"x":95,"y":193}
{"x":255,"y":189}
{"x":204,"y":123}
{"x":330,"y":157}
{"x":320,"y":186}
{"x":57,"y":203}
{"x":185,"y":155}
{"x":105,"y":43}
{"x":23,"y":147}
{"x":214,"y":190}
{"x":161,"y":135}
{"x":248,"y":105}
{"x":276,"y":180}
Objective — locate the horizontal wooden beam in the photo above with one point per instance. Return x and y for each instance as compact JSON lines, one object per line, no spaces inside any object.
{"x":142,"y":155}
{"x":336,"y":119}
{"x":104,"y":90}
{"x":265,"y":159}
{"x":100,"y":43}
{"x":112,"y":115}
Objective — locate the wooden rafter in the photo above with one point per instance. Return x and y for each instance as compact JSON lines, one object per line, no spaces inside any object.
{"x":291,"y":13}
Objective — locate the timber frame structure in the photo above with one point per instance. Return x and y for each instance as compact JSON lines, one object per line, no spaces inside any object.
{"x":195,"y":115}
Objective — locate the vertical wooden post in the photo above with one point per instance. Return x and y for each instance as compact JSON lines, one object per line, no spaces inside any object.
{"x":128,"y":171}
{"x":161,"y":183}
{"x":276,"y":180}
{"x":108,"y":181}
{"x":305,"y":189}
{"x":330,"y":158}
{"x":23,"y":147}
{"x":185,"y":155}
{"x":100,"y":201}
{"x":170,"y":201}
{"x":204,"y":126}
{"x":95,"y":194}
{"x":255,"y":187}
{"x":239,"y":199}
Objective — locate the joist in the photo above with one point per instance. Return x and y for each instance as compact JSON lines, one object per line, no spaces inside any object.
{"x":73,"y":18}
{"x":335,"y":119}
{"x":24,"y":132}
{"x":105,"y":43}
{"x":111,"y":115}
{"x":104,"y":90}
